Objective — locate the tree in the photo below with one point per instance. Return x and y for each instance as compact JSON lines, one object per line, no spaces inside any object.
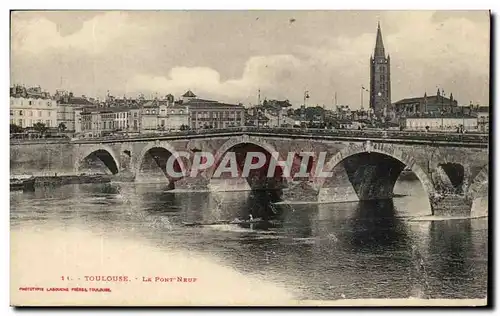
{"x":314,"y":112}
{"x":40,"y":127}
{"x":15,"y":129}
{"x":61,"y":127}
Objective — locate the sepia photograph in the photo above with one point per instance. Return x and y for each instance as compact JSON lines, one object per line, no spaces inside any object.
{"x":249,"y":158}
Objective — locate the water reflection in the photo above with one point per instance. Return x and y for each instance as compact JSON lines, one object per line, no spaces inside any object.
{"x":375,"y":226}
{"x":453,"y":265}
{"x":352,"y":250}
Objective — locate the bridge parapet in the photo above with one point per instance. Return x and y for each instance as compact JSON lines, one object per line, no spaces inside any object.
{"x":301,"y":132}
{"x":40,"y":141}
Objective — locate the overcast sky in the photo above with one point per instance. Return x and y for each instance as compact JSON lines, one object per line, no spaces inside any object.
{"x":230,"y":55}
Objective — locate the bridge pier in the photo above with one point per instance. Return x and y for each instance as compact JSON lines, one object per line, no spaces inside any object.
{"x":447,"y":204}
{"x":125,"y":175}
{"x":192,"y":183}
{"x":338,"y":187}
{"x":300,"y":191}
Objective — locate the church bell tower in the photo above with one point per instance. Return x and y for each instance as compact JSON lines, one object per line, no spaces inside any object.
{"x":380,"y":77}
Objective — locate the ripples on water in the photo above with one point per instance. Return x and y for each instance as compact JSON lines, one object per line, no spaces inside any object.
{"x":321,"y":252}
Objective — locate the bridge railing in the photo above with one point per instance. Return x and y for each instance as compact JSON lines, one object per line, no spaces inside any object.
{"x":365,"y":133}
{"x":20,"y":141}
{"x":378,"y":133}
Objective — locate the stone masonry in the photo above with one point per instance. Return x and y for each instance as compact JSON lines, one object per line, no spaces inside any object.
{"x":363,"y":168}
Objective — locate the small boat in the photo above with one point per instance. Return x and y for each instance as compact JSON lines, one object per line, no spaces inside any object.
{"x":247,"y":221}
{"x":205,"y":223}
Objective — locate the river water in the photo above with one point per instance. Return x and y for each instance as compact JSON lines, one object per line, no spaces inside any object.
{"x":313,"y":252}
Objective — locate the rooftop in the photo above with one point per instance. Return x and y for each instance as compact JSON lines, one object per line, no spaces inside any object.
{"x":429,"y":98}
{"x":87,"y":108}
{"x":74,"y":101}
{"x":33,"y":92}
{"x":483,"y":108}
{"x":189,"y":94}
{"x":150,"y":104}
{"x":202,"y":103}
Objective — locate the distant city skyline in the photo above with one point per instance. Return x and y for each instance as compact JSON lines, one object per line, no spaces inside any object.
{"x":230,"y":55}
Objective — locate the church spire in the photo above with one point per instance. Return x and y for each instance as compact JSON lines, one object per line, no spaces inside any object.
{"x":379,"y":44}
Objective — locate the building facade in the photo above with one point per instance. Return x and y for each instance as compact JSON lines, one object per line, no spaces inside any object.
{"x":483,"y":118}
{"x":173,"y":116}
{"x":79,"y":122}
{"x":163,"y":115}
{"x":97,"y":122}
{"x":91,"y":122}
{"x":213,"y":114}
{"x":446,"y":123}
{"x":134,"y":120}
{"x":67,"y":106}
{"x":149,"y":117}
{"x":380,"y":77}
{"x":31,"y":106}
{"x":343,"y":112}
{"x":434,"y":104}
{"x":121,"y":119}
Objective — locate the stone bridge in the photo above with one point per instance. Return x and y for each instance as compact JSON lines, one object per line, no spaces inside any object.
{"x":452,"y":168}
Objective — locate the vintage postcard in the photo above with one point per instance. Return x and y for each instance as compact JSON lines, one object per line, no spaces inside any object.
{"x":249,"y":158}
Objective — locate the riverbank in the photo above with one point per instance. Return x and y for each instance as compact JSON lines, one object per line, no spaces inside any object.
{"x":30,"y":184}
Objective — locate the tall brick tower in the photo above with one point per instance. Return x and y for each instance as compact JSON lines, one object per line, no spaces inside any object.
{"x":380,"y":77}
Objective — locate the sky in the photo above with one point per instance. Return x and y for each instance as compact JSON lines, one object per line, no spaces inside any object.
{"x":230,"y":55}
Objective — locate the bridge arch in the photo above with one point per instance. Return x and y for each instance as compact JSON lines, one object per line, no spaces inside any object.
{"x":241,"y":142}
{"x":451,"y":177}
{"x":103,"y":153}
{"x":164,"y":149}
{"x":449,"y":173}
{"x":394,"y":159}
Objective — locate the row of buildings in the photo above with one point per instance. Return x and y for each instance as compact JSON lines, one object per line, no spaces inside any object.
{"x":32,"y":105}
{"x":82,"y":117}
{"x":433,"y":112}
